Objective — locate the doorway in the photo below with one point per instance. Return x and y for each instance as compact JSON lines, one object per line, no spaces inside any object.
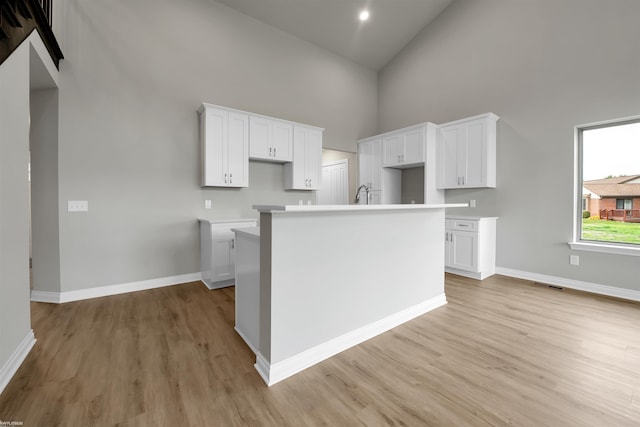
{"x":335,"y":183}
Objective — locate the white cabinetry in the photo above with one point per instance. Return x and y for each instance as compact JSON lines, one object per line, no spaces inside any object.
{"x":404,"y":148}
{"x":224,"y":136}
{"x":304,"y":172}
{"x":381,"y":159}
{"x":466,"y":151}
{"x":218,"y":252}
{"x":270,"y":139}
{"x":470,"y":246}
{"x":370,"y":163}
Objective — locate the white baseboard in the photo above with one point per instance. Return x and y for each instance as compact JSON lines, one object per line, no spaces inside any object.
{"x":272,"y":373}
{"x":11,"y":366}
{"x":103,"y":291}
{"x":595,"y":288}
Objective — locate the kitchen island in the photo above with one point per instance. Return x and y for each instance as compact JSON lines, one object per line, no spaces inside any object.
{"x":331,"y":277}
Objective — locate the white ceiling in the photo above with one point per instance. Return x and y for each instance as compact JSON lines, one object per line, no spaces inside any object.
{"x":334,"y":24}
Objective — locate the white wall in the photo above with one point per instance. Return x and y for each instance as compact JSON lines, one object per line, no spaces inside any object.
{"x":133,"y":76}
{"x":543,"y":67}
{"x":15,"y":322}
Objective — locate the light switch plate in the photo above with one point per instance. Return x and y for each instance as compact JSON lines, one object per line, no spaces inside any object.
{"x":207,"y":204}
{"x":77,"y":205}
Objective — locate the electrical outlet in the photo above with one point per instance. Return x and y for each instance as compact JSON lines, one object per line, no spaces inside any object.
{"x":574,"y":260}
{"x":472,"y":203}
{"x":77,"y":205}
{"x":207,"y":204}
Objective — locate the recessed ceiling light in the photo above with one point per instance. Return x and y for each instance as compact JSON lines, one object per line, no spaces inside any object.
{"x":364,"y":15}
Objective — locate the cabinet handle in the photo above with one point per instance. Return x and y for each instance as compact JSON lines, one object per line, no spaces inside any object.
{"x":233,"y":243}
{"x":463,"y":180}
{"x":274,"y":152}
{"x":230,"y":178}
{"x":225,"y":179}
{"x":270,"y":151}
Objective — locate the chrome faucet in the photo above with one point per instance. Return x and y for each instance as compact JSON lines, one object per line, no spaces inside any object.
{"x":358,"y":193}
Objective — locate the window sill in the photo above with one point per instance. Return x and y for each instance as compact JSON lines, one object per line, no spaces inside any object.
{"x":609,"y":248}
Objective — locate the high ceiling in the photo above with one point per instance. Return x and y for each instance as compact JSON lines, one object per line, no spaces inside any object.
{"x":334,"y":24}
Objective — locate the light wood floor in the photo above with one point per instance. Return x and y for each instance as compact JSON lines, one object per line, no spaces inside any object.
{"x":501,"y":352}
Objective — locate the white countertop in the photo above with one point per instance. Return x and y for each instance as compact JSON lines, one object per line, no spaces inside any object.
{"x":223,"y":221}
{"x":470,"y":217}
{"x":249,"y":231}
{"x":353,"y":208}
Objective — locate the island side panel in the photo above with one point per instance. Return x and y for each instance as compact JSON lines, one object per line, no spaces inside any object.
{"x":265,"y":289}
{"x":334,"y":272}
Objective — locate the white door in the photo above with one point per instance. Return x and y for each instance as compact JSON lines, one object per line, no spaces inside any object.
{"x":335,"y":184}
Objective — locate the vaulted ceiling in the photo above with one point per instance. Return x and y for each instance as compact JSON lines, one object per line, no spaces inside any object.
{"x":334,"y":24}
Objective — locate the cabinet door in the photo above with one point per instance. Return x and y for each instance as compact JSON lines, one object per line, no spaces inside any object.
{"x":464,"y":250}
{"x":474,"y":173}
{"x":375,"y":197}
{"x":447,"y":153}
{"x":313,"y":154}
{"x":260,"y":138}
{"x":414,"y":146}
{"x":304,"y":172}
{"x":376,"y":165}
{"x":238,"y":150}
{"x":295,"y":177}
{"x":213,"y":136}
{"x":223,"y":256}
{"x":365,"y":158}
{"x":392,"y":150}
{"x":282,"y":141}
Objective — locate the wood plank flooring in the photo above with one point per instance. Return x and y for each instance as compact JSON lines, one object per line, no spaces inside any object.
{"x":501,"y":352}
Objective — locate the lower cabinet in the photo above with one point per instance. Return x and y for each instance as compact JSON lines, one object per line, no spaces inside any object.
{"x":218,"y":250}
{"x":470,"y":246}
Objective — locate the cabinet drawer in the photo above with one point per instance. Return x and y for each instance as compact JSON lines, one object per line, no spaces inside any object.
{"x":461,"y":224}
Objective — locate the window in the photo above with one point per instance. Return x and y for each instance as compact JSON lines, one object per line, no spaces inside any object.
{"x":607,"y":183}
{"x":624,"y":204}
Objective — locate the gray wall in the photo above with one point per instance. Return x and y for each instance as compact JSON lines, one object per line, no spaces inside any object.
{"x":133,"y":76}
{"x":543,"y":67}
{"x":43,"y":140}
{"x":15,"y":322}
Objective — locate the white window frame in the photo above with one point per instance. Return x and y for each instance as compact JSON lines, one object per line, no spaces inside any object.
{"x":591,"y":245}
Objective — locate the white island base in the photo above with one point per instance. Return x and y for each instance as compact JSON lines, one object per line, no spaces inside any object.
{"x":332,"y":277}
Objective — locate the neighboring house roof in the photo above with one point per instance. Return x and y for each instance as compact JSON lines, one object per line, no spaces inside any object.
{"x":618,"y":186}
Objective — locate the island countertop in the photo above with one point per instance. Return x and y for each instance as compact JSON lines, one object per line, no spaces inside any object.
{"x":353,"y":208}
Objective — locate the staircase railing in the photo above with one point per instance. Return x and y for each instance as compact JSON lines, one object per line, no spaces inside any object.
{"x":18,"y":18}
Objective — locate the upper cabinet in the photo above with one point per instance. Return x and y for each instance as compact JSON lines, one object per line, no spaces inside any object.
{"x":466,"y":153}
{"x":224,"y":136}
{"x":382,"y":158}
{"x":270,"y":139}
{"x":229,"y":138}
{"x":370,"y":163}
{"x":305,"y":171}
{"x":404,"y":148}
